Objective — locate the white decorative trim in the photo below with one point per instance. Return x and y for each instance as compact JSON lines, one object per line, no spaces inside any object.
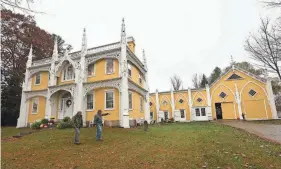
{"x":225,"y":87}
{"x":136,"y":88}
{"x":67,"y":87}
{"x":204,"y":98}
{"x":32,"y":72}
{"x":38,"y":93}
{"x":255,"y":84}
{"x":165,"y":98}
{"x":107,"y":91}
{"x":112,"y":83}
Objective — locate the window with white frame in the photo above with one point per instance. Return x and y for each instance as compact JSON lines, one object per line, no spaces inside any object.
{"x":68,"y":73}
{"x":141,"y":104}
{"x":91,"y":69}
{"x":109,"y":99}
{"x":197,"y":112}
{"x":200,"y":111}
{"x":130,"y":101}
{"x":90,"y":101}
{"x":129,"y":70}
{"x":37,"y":78}
{"x":109,"y":66}
{"x":203,"y":112}
{"x":34,"y":105}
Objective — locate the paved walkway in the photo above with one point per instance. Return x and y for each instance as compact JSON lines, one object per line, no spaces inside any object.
{"x":269,"y":132}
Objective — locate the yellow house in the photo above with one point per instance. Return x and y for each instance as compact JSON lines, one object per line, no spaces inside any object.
{"x":236,"y":92}
{"x":110,"y":78}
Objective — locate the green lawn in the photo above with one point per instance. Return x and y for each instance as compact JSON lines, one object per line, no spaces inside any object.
{"x":11,"y":131}
{"x":275,"y":121}
{"x":189,"y":145}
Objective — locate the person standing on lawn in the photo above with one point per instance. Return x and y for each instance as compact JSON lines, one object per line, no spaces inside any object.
{"x":98,"y":123}
{"x":77,"y":123}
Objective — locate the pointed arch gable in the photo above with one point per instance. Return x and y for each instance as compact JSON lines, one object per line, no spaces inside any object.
{"x":249,"y":82}
{"x":63,"y":62}
{"x":223,"y":86}
{"x":197,"y":93}
{"x":164,"y":98}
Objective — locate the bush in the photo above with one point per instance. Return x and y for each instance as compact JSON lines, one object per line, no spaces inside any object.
{"x":64,"y":125}
{"x":171,"y":120}
{"x":66,"y":119}
{"x":36,"y":125}
{"x":44,"y":121}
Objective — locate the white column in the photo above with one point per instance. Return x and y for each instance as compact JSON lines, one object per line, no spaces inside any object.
{"x":209,"y":103}
{"x":238,"y":100}
{"x":271,"y":99}
{"x":124,"y":94}
{"x":146,"y":86}
{"x":157,"y":105}
{"x":22,"y":120}
{"x":79,"y":79}
{"x":53,"y":79}
{"x":172,"y":103}
{"x":190,"y":104}
{"x":48,"y":110}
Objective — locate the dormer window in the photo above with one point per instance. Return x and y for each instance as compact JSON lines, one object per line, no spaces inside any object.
{"x":68,"y":73}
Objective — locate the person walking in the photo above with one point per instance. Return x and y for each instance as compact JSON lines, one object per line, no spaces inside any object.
{"x":77,"y":123}
{"x":98,"y":123}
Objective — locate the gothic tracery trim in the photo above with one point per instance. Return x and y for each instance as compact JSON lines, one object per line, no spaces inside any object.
{"x":115,"y":83}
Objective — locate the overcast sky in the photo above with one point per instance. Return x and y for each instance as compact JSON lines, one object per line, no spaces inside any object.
{"x":180,"y":37}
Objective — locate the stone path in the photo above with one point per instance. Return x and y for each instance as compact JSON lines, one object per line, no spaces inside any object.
{"x":269,"y":132}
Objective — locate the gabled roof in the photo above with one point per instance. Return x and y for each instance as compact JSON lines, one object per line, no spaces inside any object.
{"x":242,"y":71}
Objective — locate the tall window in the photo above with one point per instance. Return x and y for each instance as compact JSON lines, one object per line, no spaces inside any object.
{"x":182,"y":113}
{"x":37,"y":79}
{"x":197,"y":111}
{"x":90,"y":101}
{"x":109,"y":99}
{"x":140,"y":79}
{"x":68,"y":73}
{"x":141,"y":104}
{"x":34,"y":105}
{"x":129,"y":69}
{"x":109,"y":66}
{"x":203,"y":112}
{"x":151,"y":115}
{"x":166,"y":115}
{"x":91,"y":70}
{"x":130,"y":101}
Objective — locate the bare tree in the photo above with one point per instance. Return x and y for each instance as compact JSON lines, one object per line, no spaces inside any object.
{"x":18,"y":4}
{"x":196,"y":80}
{"x":273,"y":3}
{"x":176,"y":82}
{"x":265,"y":47}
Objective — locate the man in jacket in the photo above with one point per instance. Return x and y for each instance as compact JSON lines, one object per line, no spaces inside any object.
{"x":98,"y":123}
{"x":77,"y":123}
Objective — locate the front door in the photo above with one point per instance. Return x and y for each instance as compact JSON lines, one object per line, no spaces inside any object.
{"x":218,"y":110}
{"x":65,"y":108}
{"x":166,"y":115}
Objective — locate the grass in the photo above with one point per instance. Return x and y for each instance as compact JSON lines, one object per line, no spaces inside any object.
{"x":275,"y":121}
{"x":191,"y":145}
{"x":11,"y":131}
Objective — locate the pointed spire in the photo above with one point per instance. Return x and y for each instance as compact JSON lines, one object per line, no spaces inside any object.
{"x":84,"y":43}
{"x":231,"y":60}
{"x":123,"y":32}
{"x":144,"y":59}
{"x":29,"y":61}
{"x":55,"y":50}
